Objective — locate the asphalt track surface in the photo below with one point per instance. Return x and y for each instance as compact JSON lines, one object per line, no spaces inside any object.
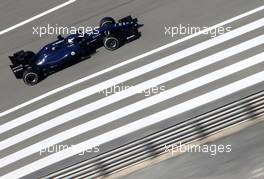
{"x":17,"y":137}
{"x":244,"y":161}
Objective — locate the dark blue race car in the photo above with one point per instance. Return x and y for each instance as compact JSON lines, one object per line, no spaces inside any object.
{"x":63,"y":52}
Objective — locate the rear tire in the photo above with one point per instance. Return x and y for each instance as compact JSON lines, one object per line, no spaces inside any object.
{"x":31,"y":77}
{"x":28,"y":56}
{"x":24,"y":57}
{"x":106,"y":21}
{"x":111,"y":43}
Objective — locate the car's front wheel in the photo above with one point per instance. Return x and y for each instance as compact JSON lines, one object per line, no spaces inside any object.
{"x":111,"y":43}
{"x":104,"y":22}
{"x":31,"y":77}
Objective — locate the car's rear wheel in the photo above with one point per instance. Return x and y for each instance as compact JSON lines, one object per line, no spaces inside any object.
{"x":31,"y":77}
{"x":24,"y":57}
{"x":111,"y":43}
{"x":28,"y":56}
{"x":106,"y":21}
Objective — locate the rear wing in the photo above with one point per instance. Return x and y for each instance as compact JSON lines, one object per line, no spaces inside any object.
{"x":17,"y":57}
{"x":18,"y":70}
{"x":18,"y":64}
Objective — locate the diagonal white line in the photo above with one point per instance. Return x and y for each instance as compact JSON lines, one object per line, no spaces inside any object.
{"x":129,"y":75}
{"x":138,"y":88}
{"x":36,"y":17}
{"x":129,"y":61}
{"x":137,"y":125}
{"x":126,"y":110}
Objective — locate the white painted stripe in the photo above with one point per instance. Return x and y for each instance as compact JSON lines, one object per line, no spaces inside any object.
{"x":137,"y":125}
{"x":129,"y":61}
{"x":138,"y":88}
{"x":127,"y":110}
{"x":36,"y":17}
{"x":129,"y":75}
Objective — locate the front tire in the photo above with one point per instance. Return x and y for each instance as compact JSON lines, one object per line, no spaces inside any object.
{"x":111,"y":43}
{"x":106,"y":21}
{"x":31,"y":77}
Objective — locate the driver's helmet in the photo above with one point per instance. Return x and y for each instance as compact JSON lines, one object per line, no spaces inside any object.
{"x":70,"y":40}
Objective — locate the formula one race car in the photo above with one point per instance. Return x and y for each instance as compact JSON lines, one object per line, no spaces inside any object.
{"x":33,"y":67}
